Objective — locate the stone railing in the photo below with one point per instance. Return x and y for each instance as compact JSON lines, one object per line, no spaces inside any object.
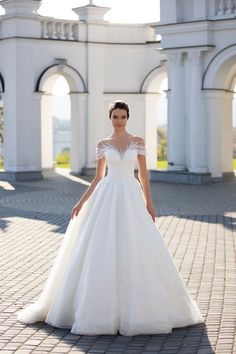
{"x":225,"y":7}
{"x":59,"y":29}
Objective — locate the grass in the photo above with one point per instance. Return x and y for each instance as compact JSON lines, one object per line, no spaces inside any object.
{"x":62,"y":165}
{"x":162,"y":165}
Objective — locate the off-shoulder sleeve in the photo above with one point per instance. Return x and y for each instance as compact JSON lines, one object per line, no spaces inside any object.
{"x":141,"y":147}
{"x":99,"y":150}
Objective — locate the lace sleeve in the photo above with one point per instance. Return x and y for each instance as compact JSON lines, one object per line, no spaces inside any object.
{"x":99,"y":151}
{"x":141,"y":147}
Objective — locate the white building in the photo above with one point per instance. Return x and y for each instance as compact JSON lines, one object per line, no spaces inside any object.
{"x":102,"y":62}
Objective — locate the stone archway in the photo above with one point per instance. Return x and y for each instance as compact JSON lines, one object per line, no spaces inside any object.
{"x":218,"y":84}
{"x":151,"y":87}
{"x":78,"y":96}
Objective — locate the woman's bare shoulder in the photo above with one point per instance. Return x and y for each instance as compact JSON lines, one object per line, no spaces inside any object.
{"x":101,"y":142}
{"x":139,"y":139}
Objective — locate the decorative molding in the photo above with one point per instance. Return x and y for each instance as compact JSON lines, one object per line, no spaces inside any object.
{"x":211,"y":63}
{"x":60,"y":68}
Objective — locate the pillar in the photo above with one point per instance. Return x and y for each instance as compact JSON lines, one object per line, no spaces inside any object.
{"x":47,"y":131}
{"x":78,"y":131}
{"x":197,"y":118}
{"x":219,"y":131}
{"x":151,"y":116}
{"x":21,"y":132}
{"x":227,"y":132}
{"x":93,"y":18}
{"x":21,"y":104}
{"x":176,"y":113}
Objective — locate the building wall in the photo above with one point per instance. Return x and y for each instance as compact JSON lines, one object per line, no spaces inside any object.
{"x":102,"y":62}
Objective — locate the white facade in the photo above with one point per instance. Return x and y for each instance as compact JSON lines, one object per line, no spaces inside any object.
{"x":198,"y":38}
{"x":102,"y":62}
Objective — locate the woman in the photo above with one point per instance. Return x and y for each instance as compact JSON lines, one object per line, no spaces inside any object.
{"x":113,"y":272}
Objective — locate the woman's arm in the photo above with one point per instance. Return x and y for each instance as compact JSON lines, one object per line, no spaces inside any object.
{"x":100,"y":173}
{"x":144,"y":180}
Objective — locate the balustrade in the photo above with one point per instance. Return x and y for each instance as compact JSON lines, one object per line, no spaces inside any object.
{"x":226,"y":7}
{"x":59,"y":29}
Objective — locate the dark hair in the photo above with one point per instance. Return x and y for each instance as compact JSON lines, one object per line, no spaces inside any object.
{"x":118,"y":104}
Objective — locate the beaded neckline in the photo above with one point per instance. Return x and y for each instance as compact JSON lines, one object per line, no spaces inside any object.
{"x":131,"y":146}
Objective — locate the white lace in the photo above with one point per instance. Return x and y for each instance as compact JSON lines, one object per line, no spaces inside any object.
{"x":133,"y":145}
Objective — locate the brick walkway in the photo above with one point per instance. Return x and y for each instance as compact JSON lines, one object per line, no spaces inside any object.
{"x":198,"y":224}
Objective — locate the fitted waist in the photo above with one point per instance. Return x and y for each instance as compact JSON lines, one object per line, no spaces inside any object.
{"x":120,"y":175}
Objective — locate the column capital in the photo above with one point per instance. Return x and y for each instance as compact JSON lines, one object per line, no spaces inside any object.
{"x":175,"y":57}
{"x":195,"y":57}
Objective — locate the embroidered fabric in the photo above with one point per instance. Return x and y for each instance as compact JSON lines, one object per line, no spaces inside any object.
{"x":121,"y":146}
{"x":113,"y":273}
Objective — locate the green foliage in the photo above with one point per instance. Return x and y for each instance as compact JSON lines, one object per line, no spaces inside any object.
{"x":162,"y":165}
{"x":63,"y":158}
{"x":162,"y":144}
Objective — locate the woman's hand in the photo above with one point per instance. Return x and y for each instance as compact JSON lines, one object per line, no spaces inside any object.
{"x":75,"y":210}
{"x":151,"y":211}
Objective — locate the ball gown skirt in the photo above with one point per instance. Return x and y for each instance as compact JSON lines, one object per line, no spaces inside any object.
{"x":113,"y":272}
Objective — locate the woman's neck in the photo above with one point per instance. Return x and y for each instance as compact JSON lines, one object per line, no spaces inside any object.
{"x":120,"y":135}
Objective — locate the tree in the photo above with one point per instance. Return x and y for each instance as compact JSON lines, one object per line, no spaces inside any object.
{"x":162,"y":144}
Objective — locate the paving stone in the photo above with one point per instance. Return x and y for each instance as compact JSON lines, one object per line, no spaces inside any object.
{"x":198,"y":224}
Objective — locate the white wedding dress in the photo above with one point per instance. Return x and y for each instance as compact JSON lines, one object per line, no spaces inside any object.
{"x":113,"y":272}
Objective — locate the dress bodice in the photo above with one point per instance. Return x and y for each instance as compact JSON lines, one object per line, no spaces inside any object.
{"x":121,"y":157}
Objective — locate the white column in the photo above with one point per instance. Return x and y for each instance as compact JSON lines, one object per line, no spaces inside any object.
{"x":219,"y":131}
{"x":176,"y":114}
{"x":95,"y":101}
{"x":151,"y":115}
{"x":227,"y":132}
{"x":197,"y":117}
{"x":78,"y":131}
{"x":10,"y":131}
{"x":168,"y":97}
{"x":47,"y":131}
{"x":36,"y":133}
{"x":21,"y":131}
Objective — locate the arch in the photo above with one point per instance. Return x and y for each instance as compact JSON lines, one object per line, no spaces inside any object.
{"x":155,"y":103}
{"x":153,"y":80}
{"x":72,"y":76}
{"x":220,"y":72}
{"x":2,"y":84}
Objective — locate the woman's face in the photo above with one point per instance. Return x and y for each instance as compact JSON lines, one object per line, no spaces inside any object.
{"x":119,"y":118}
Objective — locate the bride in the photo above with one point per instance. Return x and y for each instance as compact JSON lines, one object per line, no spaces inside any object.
{"x":113,"y":272}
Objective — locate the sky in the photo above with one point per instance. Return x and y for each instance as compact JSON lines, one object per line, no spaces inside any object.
{"x":131,"y":11}
{"x":121,"y":11}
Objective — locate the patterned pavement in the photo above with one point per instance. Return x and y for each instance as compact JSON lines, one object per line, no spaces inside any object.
{"x":198,"y":224}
